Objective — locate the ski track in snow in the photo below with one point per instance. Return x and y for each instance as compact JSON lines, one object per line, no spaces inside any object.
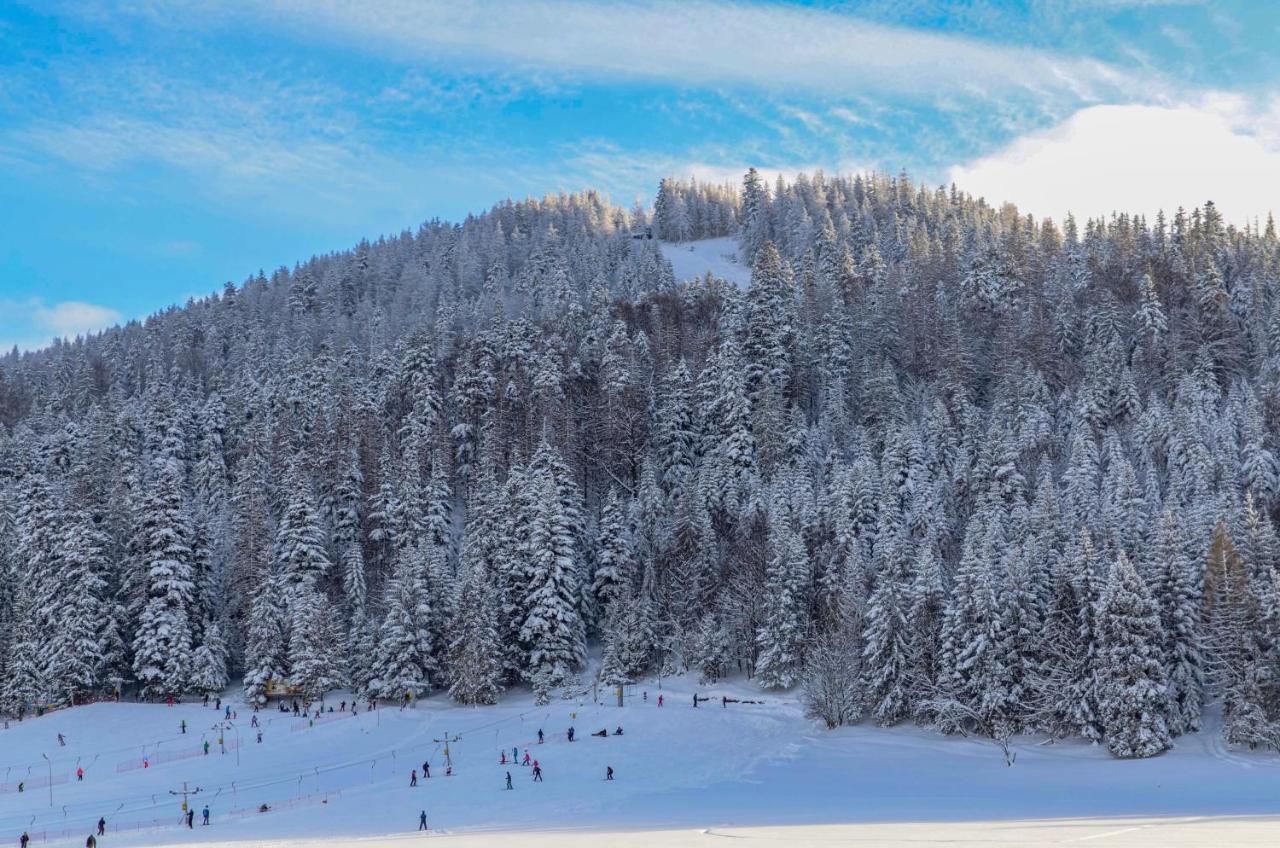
{"x":708,"y":770}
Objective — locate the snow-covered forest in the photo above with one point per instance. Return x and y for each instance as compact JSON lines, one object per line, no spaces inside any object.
{"x":939,"y":462}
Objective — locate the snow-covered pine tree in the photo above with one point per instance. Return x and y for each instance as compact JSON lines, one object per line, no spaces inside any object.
{"x":885,"y":651}
{"x":475,"y":655}
{"x":405,"y":658}
{"x":267,"y":641}
{"x":780,"y":639}
{"x":162,"y":643}
{"x":1181,"y":614}
{"x":1133,"y":698}
{"x":552,"y":629}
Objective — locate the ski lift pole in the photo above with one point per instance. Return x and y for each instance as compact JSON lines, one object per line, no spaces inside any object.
{"x":448,"y":761}
{"x":184,"y":792}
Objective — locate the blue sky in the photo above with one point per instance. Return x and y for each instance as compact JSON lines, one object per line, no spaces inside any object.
{"x":153,"y":149}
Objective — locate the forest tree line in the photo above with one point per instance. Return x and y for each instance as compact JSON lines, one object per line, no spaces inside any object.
{"x":940,"y":462}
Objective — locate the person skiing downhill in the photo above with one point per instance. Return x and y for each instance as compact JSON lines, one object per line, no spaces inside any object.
{"x":62,"y":742}
{"x":608,"y":774}
{"x":537,"y":773}
{"x":539,"y":735}
{"x":426,"y":769}
{"x":571,"y":734}
{"x":182,"y":725}
{"x":413,"y":778}
{"x":102,"y":827}
{"x":79,"y":775}
{"x":659,"y":700}
{"x":206,"y":747}
{"x":526,"y":759}
{"x":502,"y":757}
{"x":422,"y":821}
{"x":509,"y":786}
{"x":515,"y":753}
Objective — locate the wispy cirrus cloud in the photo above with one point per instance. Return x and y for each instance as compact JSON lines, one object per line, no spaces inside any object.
{"x":698,"y":43}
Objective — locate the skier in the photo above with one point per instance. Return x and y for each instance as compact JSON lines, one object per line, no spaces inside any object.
{"x":413,"y":778}
{"x":183,"y":726}
{"x":526,"y":758}
{"x":146,"y":762}
{"x":537,"y":774}
{"x":618,"y":731}
{"x":191,"y":819}
{"x":502,"y":757}
{"x":422,"y":821}
{"x":23,"y":840}
{"x":79,"y":775}
{"x":62,"y":741}
{"x":659,"y":700}
{"x":539,"y":735}
{"x":571,"y":734}
{"x":102,"y":827}
{"x":204,"y":814}
{"x":342,"y":707}
{"x":515,"y":753}
{"x":259,"y":737}
{"x":206,"y":747}
{"x":509,"y":786}
{"x":253,"y":722}
{"x":21,"y":786}
{"x":426,"y":769}
{"x":724,"y":702}
{"x":227,"y":714}
{"x":608,"y":774}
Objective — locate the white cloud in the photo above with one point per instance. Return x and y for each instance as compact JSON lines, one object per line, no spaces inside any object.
{"x":1107,"y":159}
{"x":32,"y":324}
{"x":694,"y":42}
{"x":73,"y":318}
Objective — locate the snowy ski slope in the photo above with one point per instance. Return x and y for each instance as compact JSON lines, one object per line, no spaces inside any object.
{"x":691,"y":260}
{"x":748,"y":769}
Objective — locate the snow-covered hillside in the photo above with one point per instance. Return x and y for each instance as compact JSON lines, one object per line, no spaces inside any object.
{"x":692,"y":260}
{"x":676,"y":767}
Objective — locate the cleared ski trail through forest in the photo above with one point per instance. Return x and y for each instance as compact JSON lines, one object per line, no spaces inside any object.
{"x":684,"y":776}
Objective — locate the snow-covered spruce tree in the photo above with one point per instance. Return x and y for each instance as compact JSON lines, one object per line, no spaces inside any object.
{"x":405,"y":662}
{"x":552,"y":629}
{"x":77,"y":643}
{"x":162,"y":642}
{"x":927,"y":608}
{"x":1132,"y":689}
{"x":314,"y":644}
{"x":1181,"y":615}
{"x":614,"y":565}
{"x":267,"y":642}
{"x":885,"y":651}
{"x":209,"y":662}
{"x":628,"y":640}
{"x":780,"y":638}
{"x":475,"y":655}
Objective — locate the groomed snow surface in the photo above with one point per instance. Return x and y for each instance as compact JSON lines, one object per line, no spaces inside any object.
{"x":691,"y":260}
{"x":684,"y":776}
